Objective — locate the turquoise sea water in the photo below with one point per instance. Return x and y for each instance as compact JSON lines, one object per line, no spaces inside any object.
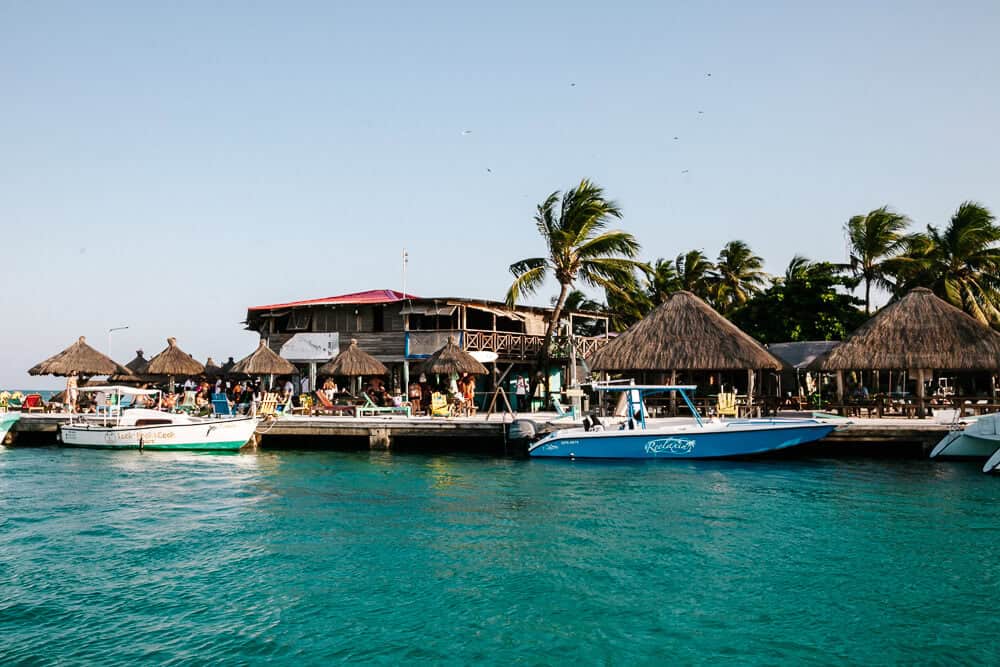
{"x":118,"y":557}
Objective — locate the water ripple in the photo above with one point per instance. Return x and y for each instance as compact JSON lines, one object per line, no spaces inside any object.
{"x":112,"y":557}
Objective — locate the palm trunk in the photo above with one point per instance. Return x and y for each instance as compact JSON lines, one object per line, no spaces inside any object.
{"x":543,"y":355}
{"x":868,"y":296}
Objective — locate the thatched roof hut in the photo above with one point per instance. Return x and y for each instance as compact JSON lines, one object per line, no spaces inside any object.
{"x":920,"y":331}
{"x":683,"y":334}
{"x":453,"y":359}
{"x":263,"y":361}
{"x":81,"y":359}
{"x":174,"y":362}
{"x":227,"y":367}
{"x":138,"y":365}
{"x":212,"y":369}
{"x":353,"y":362}
{"x":138,"y":368}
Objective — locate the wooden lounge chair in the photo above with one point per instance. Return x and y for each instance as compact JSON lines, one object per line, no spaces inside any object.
{"x":370,"y":408}
{"x":726,"y":405}
{"x":268,"y":405}
{"x":326,"y":406}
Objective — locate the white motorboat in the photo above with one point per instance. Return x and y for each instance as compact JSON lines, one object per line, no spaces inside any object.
{"x":993,"y":463}
{"x":974,"y":438}
{"x":144,"y":428}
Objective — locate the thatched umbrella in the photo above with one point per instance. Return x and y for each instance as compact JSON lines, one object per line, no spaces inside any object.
{"x":353,"y":362}
{"x":453,"y":359}
{"x":227,"y":368}
{"x":685,"y":334}
{"x":921,"y":333}
{"x":263,"y":361}
{"x":81,"y":359}
{"x":173,"y":362}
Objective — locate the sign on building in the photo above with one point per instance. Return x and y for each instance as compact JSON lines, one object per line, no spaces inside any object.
{"x":309,"y":347}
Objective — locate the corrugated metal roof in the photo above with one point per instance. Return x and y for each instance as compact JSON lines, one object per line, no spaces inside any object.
{"x":367,"y":297}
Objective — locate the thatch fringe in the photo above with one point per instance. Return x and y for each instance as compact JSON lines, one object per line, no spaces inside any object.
{"x":683,"y":333}
{"x":453,"y":359}
{"x":81,"y":359}
{"x":353,"y":362}
{"x":920,"y":331}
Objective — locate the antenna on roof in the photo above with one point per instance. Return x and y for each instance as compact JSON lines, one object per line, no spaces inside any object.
{"x":406,"y":259}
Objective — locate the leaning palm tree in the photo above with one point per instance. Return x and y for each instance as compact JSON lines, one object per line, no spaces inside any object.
{"x":738,"y":275}
{"x":579,"y":248}
{"x":875,"y":238}
{"x":960,"y":263}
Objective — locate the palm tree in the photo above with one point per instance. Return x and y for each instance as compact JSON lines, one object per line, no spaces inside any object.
{"x":875,"y":238}
{"x":960,"y":263}
{"x":662,"y":281}
{"x":738,"y":275}
{"x":579,"y":247}
{"x":693,"y":272}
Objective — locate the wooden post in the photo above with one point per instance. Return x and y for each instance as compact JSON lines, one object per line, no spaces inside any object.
{"x":673,"y":394}
{"x":920,"y":393}
{"x":840,"y":386}
{"x":750,"y":379}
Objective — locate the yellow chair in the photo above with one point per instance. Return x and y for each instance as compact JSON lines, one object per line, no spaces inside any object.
{"x":268,"y":405}
{"x":727,"y":405}
{"x":440,"y":405}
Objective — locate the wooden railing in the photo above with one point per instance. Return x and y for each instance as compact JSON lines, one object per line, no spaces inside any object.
{"x":525,"y":346}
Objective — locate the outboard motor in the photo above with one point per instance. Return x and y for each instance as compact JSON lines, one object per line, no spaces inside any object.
{"x":522,"y":429}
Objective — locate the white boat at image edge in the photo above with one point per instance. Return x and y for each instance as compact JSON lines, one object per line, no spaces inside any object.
{"x":7,"y":420}
{"x":975,"y":438}
{"x":678,"y":438}
{"x":142,"y":428}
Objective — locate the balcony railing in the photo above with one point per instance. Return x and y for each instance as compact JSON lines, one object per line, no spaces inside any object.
{"x":507,"y":345}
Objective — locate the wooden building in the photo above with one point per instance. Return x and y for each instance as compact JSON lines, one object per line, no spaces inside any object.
{"x":400,"y":329}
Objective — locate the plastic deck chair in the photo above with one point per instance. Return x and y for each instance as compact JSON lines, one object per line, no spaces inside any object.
{"x":440,"y":406}
{"x":221,"y":405}
{"x":32,"y":403}
{"x":188,"y":404}
{"x":561,"y":411}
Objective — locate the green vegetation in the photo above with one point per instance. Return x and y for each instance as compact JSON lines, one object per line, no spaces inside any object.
{"x":813,"y":300}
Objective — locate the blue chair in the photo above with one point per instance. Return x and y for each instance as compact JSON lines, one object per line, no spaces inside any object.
{"x":221,"y":406}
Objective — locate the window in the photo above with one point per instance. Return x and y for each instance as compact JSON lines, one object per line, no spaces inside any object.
{"x":298,"y":320}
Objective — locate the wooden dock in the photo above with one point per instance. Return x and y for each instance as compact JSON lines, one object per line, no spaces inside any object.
{"x":477,"y":434}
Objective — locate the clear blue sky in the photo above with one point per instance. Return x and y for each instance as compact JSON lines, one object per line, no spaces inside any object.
{"x":164,"y":167}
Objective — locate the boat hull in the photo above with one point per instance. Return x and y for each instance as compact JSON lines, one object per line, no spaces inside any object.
{"x":688,"y":444}
{"x":993,"y":463}
{"x":959,"y":445}
{"x":210,"y":435}
{"x":7,"y":420}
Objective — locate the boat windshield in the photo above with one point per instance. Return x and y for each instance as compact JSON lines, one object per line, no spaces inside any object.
{"x":636,"y":393}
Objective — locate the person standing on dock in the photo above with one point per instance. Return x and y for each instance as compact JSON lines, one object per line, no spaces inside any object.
{"x":72,"y":392}
{"x":520,"y":392}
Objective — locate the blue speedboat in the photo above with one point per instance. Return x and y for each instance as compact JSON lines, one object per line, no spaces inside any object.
{"x":695,"y":438}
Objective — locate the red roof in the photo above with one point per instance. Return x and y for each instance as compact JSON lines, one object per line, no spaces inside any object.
{"x":371,"y":296}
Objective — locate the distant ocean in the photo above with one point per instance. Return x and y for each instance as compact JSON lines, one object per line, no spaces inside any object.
{"x":46,"y":393}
